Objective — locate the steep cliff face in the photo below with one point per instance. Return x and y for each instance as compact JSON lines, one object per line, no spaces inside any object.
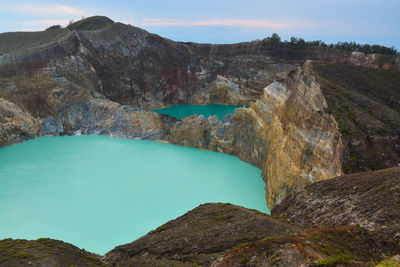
{"x":302,"y":141}
{"x":141,"y":69}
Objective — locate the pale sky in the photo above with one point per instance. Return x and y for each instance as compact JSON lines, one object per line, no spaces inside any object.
{"x":223,"y":21}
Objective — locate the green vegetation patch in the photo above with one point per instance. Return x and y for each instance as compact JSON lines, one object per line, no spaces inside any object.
{"x":388,"y":263}
{"x":335,"y":260}
{"x":12,"y":41}
{"x":300,"y":43}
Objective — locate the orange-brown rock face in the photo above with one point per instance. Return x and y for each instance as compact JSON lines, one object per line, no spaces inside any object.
{"x":302,"y":141}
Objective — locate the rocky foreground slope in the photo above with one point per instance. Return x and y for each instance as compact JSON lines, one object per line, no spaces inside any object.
{"x":371,"y":200}
{"x":217,"y":235}
{"x":304,"y":124}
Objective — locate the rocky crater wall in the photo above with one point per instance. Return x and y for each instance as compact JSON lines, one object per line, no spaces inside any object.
{"x":107,"y":81}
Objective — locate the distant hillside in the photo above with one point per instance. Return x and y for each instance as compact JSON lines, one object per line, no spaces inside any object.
{"x":91,"y":24}
{"x":19,"y":41}
{"x":12,"y":41}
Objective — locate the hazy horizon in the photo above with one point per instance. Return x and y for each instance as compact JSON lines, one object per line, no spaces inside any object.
{"x":372,"y":22}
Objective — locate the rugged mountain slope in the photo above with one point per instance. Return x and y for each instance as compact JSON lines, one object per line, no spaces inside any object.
{"x":199,"y":236}
{"x":370,"y":199}
{"x":366,"y":104}
{"x":219,"y":235}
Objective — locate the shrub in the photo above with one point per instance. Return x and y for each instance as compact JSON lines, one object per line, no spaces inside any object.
{"x":54,"y":27}
{"x":335,"y":260}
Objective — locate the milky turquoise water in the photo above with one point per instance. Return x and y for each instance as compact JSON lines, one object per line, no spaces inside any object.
{"x":181,"y":111}
{"x":97,"y":192}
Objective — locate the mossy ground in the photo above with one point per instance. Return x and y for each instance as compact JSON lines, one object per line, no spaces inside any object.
{"x":44,"y":252}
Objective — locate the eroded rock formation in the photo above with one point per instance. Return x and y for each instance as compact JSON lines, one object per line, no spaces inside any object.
{"x":301,"y":142}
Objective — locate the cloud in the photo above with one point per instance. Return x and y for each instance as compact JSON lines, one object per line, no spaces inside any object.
{"x":44,"y":9}
{"x":165,"y":22}
{"x":46,"y":22}
{"x":127,"y":21}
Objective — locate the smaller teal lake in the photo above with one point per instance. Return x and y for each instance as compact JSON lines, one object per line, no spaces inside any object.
{"x":181,"y":111}
{"x":98,"y":192}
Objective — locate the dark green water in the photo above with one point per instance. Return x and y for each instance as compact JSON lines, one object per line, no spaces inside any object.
{"x":181,"y":111}
{"x":98,"y":192}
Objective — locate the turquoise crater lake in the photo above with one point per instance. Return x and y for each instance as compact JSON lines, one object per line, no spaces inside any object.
{"x":181,"y":111}
{"x":98,"y":192}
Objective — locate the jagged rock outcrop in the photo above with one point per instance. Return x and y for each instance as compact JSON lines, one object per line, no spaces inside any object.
{"x":300,"y":140}
{"x":369,"y":199}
